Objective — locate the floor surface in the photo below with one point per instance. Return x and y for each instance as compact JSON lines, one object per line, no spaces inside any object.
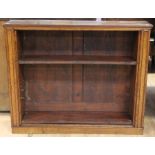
{"x":149,"y":121}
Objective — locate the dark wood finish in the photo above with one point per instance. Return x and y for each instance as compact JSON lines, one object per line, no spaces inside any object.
{"x":76,"y":118}
{"x":49,"y":88}
{"x":102,"y":43}
{"x":78,"y":59}
{"x":78,"y":25}
{"x":77,"y":72}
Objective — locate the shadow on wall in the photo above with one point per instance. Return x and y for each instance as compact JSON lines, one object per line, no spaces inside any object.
{"x":150,"y":101}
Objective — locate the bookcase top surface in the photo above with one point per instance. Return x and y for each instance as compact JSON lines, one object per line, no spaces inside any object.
{"x":28,"y":24}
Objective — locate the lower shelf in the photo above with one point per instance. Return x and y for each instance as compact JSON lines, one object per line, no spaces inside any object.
{"x":107,"y":118}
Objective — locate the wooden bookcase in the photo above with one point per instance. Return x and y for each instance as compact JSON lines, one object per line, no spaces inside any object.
{"x":77,"y":76}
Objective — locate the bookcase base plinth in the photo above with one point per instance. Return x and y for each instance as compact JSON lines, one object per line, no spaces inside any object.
{"x":77,"y":129}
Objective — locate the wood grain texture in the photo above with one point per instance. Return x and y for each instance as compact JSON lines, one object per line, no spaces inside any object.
{"x":141,"y":77}
{"x":72,"y":117}
{"x":78,"y":59}
{"x":12,"y":57}
{"x":77,"y":129}
{"x":46,"y":43}
{"x":4,"y":92}
{"x":52,"y":90}
{"x":47,"y":84}
{"x":77,"y":70}
{"x":77,"y":25}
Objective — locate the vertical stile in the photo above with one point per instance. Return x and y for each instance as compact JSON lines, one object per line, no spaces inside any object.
{"x":141,"y":76}
{"x":13,"y":76}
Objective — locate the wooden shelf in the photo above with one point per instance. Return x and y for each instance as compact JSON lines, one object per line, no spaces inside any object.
{"x":82,"y":117}
{"x":80,"y":59}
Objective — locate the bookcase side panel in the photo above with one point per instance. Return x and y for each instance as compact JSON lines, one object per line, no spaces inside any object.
{"x":141,"y":77}
{"x":14,"y":90}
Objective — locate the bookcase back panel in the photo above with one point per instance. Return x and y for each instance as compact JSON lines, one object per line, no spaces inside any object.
{"x":104,"y":43}
{"x":78,"y":88}
{"x":110,"y":43}
{"x":100,"y":85}
{"x":48,"y":84}
{"x":46,"y":43}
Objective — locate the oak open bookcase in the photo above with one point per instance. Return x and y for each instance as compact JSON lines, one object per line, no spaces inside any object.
{"x":77,"y":76}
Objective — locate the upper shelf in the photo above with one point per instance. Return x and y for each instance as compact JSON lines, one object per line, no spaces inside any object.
{"x":78,"y":59}
{"x":77,"y":25}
